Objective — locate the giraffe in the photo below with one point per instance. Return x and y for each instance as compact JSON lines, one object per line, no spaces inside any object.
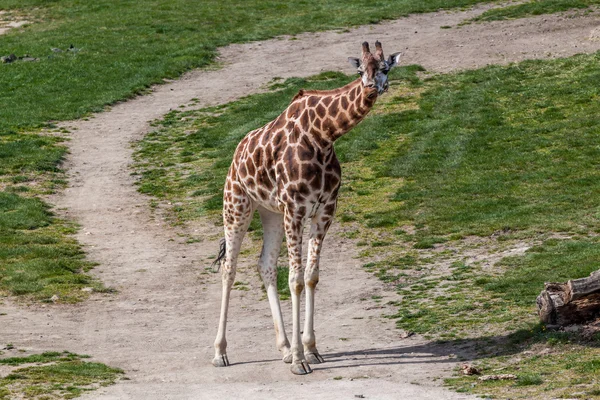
{"x":288,"y":171}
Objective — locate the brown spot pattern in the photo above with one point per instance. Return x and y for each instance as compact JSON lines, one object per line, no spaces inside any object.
{"x":289,"y":166}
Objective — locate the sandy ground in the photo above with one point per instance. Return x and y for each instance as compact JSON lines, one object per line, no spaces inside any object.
{"x":160,"y":326}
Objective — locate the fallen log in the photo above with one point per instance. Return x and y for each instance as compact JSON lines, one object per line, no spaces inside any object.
{"x":574,"y":302}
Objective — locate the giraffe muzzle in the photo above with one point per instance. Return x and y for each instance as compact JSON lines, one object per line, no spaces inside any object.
{"x":384,"y":89}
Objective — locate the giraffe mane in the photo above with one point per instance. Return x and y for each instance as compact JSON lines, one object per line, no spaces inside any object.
{"x":304,"y":92}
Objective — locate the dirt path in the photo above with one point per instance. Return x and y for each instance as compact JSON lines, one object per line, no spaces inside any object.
{"x":161,"y":325}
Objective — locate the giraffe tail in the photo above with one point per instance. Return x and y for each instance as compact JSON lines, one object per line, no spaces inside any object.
{"x":221,"y":256}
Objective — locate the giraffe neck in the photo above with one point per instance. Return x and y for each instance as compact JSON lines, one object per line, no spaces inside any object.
{"x":328,"y":115}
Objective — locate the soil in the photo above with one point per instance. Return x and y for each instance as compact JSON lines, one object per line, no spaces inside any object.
{"x":160,"y":326}
{"x":8,"y":24}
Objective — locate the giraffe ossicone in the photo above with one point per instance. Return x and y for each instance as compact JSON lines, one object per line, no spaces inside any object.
{"x":288,"y":172}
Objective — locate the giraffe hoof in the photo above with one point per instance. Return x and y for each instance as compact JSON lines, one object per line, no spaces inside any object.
{"x":314,"y":358}
{"x":221,"y":361}
{"x":300,"y":368}
{"x":288,"y":358}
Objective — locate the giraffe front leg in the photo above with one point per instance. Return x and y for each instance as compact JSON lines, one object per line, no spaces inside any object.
{"x":318,"y":230}
{"x":293,"y":230}
{"x":236,"y":224}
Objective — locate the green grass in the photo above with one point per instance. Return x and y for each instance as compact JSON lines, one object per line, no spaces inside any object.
{"x":26,"y":154}
{"x":468,"y":300}
{"x":497,"y":149}
{"x":38,"y":259}
{"x":55,"y":375}
{"x":536,"y":7}
{"x":552,"y":261}
{"x":283,"y":287}
{"x":502,"y":151}
{"x":47,"y":357}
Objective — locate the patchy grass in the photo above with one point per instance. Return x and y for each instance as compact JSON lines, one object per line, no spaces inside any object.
{"x":38,"y":258}
{"x":43,"y":262}
{"x":555,"y":260}
{"x":536,"y":7}
{"x":468,"y":297}
{"x":547,"y":365}
{"x":44,"y":358}
{"x":55,"y":375}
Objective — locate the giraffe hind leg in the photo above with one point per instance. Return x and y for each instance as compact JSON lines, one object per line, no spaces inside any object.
{"x":220,"y":360}
{"x":236,"y":221}
{"x":267,"y":265}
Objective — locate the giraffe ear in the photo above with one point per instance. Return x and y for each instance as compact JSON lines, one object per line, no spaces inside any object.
{"x":393,"y":60}
{"x":355,"y":62}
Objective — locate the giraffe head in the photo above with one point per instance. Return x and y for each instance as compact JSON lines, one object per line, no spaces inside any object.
{"x":373,"y":68}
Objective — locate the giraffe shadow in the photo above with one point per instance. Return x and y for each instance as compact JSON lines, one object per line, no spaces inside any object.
{"x":448,"y":351}
{"x":437,"y":352}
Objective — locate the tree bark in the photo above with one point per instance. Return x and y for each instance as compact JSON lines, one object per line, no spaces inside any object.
{"x":574,"y":302}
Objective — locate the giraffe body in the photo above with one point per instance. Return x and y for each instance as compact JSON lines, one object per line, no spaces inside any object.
{"x":288,"y":171}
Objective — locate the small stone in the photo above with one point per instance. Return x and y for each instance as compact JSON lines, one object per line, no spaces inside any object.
{"x":54,"y":298}
{"x":8,"y":59}
{"x":573,"y":328}
{"x":406,"y":334}
{"x":468,"y":369}
{"x":87,"y":289}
